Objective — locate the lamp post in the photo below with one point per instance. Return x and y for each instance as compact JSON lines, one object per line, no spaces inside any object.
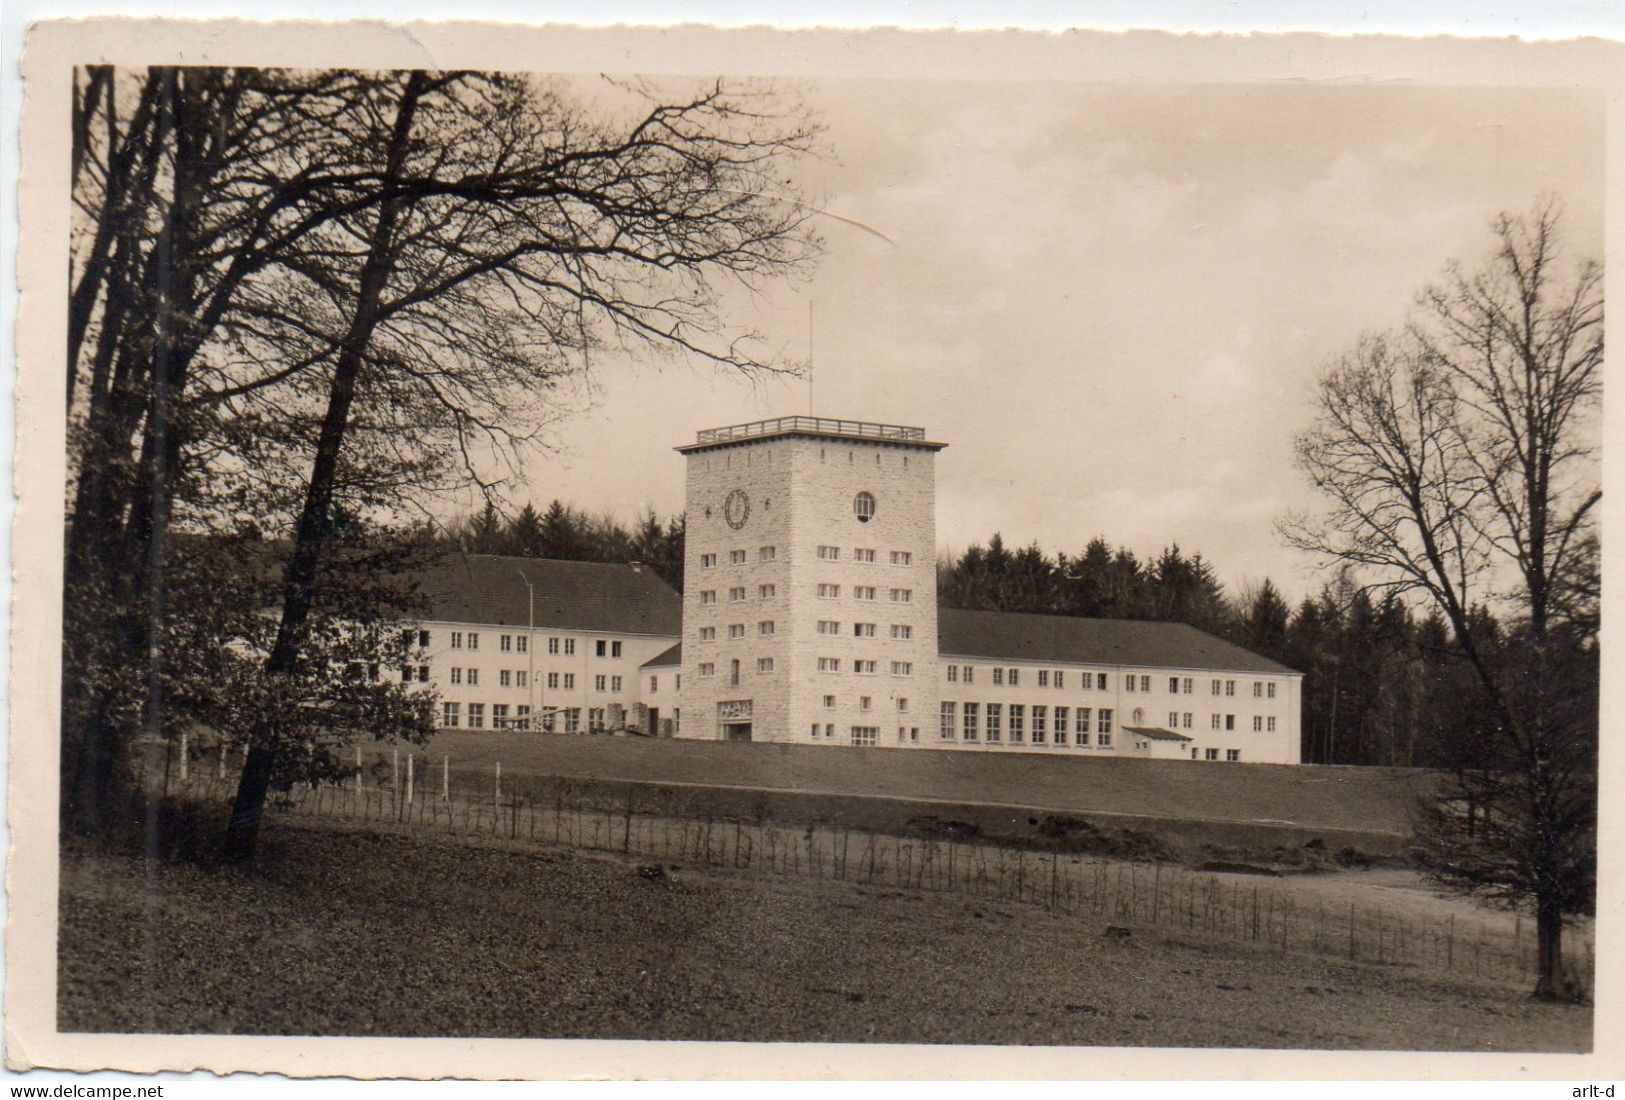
{"x":532,"y":718}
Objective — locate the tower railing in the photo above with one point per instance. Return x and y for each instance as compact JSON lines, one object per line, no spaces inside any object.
{"x":859,"y":429}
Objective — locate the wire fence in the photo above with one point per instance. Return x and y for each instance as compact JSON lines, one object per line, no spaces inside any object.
{"x":676,"y":826}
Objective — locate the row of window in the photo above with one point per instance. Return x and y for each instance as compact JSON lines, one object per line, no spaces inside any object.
{"x":865,"y":702}
{"x":866,"y":592}
{"x":863,"y":735}
{"x":866,"y":668}
{"x":864,"y":555}
{"x":517,"y":643}
{"x":901,"y":632}
{"x":1176,"y":720}
{"x":965,"y":722}
{"x":565,"y":719}
{"x":1185,"y":685}
{"x":738,"y":594}
{"x":1056,"y":678}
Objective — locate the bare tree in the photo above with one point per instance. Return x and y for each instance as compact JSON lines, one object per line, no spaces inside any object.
{"x":388,"y":277}
{"x":1458,"y":459}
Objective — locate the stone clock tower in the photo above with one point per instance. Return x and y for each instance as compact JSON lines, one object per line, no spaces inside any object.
{"x":809,"y":584}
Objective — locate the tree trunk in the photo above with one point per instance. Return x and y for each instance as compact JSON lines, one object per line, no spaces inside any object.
{"x":1549,"y":983}
{"x":242,"y":832}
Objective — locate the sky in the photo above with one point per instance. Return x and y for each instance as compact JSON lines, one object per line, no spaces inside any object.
{"x":1111,"y":301}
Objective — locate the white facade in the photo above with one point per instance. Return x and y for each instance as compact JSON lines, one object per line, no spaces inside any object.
{"x":503,"y":677}
{"x":809,"y":602}
{"x":1156,"y":713}
{"x":809,"y":615}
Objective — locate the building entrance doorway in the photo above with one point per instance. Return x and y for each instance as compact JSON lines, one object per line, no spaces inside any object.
{"x":736,"y":731}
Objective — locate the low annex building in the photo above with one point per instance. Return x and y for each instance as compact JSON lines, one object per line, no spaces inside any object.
{"x":809,"y":615}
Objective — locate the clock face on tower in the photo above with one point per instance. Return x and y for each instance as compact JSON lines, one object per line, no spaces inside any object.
{"x":736,"y":509}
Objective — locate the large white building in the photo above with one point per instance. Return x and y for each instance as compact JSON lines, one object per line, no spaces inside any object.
{"x":809,"y":615}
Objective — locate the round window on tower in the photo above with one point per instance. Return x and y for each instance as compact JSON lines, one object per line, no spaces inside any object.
{"x":863,"y":506}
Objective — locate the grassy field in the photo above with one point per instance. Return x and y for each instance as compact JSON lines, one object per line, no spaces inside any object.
{"x":365,"y":931}
{"x":1370,"y":804}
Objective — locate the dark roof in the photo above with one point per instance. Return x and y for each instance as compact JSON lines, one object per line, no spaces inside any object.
{"x":669,"y":658}
{"x":1156,"y":733}
{"x":1017,"y":636}
{"x":570,"y":595}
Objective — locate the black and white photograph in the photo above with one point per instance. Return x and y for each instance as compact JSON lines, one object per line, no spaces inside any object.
{"x":762,"y":554}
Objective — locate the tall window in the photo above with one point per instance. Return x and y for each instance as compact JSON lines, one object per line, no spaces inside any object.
{"x":1084,"y":715}
{"x":1271,"y":687}
{"x":1130,"y":683}
{"x":1100,"y":684}
{"x":503,"y":678}
{"x":473,"y":676}
{"x":1060,"y":678}
{"x":600,"y":683}
{"x":970,"y":674}
{"x":948,"y":720}
{"x":995,"y":722}
{"x":1232,"y":755}
{"x":1103,"y":722}
{"x":998,"y":676}
{"x":1040,"y":725}
{"x":522,"y":644}
{"x":457,"y":639}
{"x":1258,"y":724}
{"x":473,"y":640}
{"x":970,"y":724}
{"x":1018,"y":722}
{"x":733,"y":672}
{"x":1271,"y":724}
{"x":1015,"y":677}
{"x":505,"y":643}
{"x":552,"y":681}
{"x":1173,"y":684}
{"x":476,"y":716}
{"x":1258,"y":689}
{"x":569,"y":681}
{"x":1043,"y":677}
{"x":1063,"y":718}
{"x":569,"y":647}
{"x":953,"y":674}
{"x":449,"y":716}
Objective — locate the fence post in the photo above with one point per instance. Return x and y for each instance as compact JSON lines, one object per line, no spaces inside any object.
{"x":445,"y":779}
{"x":499,"y":781}
{"x":221,"y":772}
{"x":395,"y":769}
{"x":411,"y":756}
{"x":358,"y":784}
